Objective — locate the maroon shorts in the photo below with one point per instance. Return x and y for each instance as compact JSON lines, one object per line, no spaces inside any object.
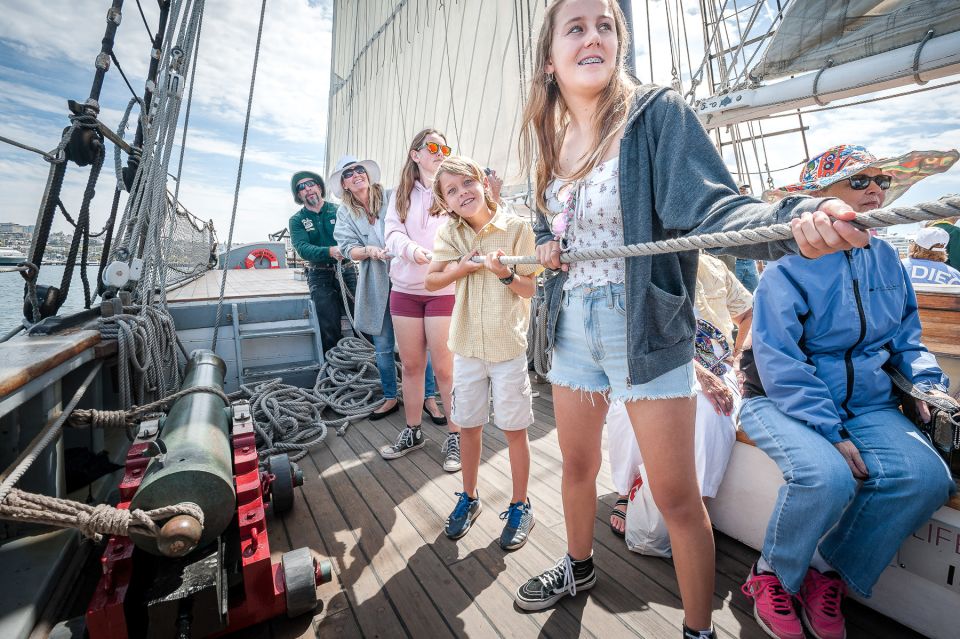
{"x":407,"y":305}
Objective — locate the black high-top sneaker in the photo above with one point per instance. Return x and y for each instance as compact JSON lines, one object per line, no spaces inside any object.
{"x":547,"y":588}
{"x":410,"y":438}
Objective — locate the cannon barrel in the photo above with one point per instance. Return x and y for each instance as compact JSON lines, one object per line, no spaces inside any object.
{"x":197,"y":466}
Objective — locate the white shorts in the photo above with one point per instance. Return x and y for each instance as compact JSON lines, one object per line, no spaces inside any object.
{"x":473,"y":379}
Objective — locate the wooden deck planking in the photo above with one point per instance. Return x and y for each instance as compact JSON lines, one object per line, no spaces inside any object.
{"x":381,"y":524}
{"x":240,"y":283}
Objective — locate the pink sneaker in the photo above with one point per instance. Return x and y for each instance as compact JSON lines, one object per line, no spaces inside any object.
{"x":820,"y":599}
{"x":772,"y":606}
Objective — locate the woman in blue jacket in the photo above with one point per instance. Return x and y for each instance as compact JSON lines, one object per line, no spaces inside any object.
{"x":818,"y":402}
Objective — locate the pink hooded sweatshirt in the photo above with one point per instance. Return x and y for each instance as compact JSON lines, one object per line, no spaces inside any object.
{"x":403,"y":238}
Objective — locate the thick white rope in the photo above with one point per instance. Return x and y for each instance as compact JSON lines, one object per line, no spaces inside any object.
{"x":947,"y":206}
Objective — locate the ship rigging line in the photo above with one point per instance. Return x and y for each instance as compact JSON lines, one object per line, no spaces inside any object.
{"x":236,"y":190}
{"x":183,"y":148}
{"x":48,"y":156}
{"x":122,"y":74}
{"x":145,"y":24}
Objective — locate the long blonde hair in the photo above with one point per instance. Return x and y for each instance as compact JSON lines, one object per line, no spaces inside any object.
{"x":546,"y":116}
{"x":356,"y":207}
{"x":411,"y":173}
{"x":458,"y":165}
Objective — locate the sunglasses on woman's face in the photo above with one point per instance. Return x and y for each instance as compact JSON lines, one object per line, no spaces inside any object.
{"x":861,"y":182}
{"x":306,"y":184}
{"x":433,"y":148}
{"x":353,"y":170}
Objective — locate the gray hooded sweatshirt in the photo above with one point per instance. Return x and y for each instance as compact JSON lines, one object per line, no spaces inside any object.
{"x":673,"y":182}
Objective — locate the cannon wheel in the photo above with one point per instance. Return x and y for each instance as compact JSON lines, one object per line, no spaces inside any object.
{"x":281,"y":489}
{"x":300,"y":577}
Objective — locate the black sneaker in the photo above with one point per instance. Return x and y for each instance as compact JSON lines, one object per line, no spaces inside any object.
{"x":520,"y":521}
{"x":410,"y":438}
{"x":460,"y":520}
{"x":547,"y":588}
{"x":697,"y":634}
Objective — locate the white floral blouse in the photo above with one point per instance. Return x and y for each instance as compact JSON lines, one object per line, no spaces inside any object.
{"x":586,"y":214}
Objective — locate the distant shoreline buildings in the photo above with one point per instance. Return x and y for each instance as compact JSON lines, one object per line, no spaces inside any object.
{"x":19,"y":236}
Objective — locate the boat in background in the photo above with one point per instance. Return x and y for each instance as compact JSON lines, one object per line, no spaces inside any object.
{"x":11,"y":257}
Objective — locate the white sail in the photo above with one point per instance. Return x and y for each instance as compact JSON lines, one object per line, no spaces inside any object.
{"x":403,"y":65}
{"x":814,"y":32}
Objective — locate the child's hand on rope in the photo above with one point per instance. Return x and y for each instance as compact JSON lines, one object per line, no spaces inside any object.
{"x":491,"y":261}
{"x":466,"y":266}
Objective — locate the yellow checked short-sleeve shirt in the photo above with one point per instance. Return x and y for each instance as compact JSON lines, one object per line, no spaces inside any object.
{"x":489,"y":320}
{"x":720,"y":296}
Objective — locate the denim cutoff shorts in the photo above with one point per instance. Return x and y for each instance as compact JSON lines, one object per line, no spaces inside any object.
{"x":590,"y":349}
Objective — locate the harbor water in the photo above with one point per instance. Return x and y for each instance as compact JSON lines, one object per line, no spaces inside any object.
{"x":11,"y":292}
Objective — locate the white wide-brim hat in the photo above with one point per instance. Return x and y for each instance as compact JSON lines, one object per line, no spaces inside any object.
{"x":333,"y":182}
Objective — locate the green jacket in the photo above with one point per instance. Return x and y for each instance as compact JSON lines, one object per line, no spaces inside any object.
{"x":312,"y":233}
{"x":953,"y":248}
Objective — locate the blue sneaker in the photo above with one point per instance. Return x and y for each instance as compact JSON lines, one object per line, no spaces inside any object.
{"x":520,"y":522}
{"x":460,"y":520}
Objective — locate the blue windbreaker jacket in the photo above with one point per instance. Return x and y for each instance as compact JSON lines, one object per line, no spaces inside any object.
{"x":823,"y":328}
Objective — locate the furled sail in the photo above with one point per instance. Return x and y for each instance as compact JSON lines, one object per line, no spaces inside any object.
{"x":815,"y":32}
{"x":403,"y":65}
{"x":833,"y":50}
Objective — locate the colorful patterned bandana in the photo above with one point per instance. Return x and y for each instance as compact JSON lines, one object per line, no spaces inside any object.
{"x":712,"y":348}
{"x":847,"y":160}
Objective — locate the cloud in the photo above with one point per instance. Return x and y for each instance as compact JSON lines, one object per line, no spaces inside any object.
{"x":287,"y":126}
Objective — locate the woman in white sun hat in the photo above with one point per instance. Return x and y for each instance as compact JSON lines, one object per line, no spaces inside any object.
{"x":928,"y":257}
{"x":359,"y":234}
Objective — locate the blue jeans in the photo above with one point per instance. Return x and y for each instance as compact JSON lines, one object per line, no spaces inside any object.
{"x":858,"y":531}
{"x":384,"y":344}
{"x":747,"y":274}
{"x":328,"y":300}
{"x":590,"y":353}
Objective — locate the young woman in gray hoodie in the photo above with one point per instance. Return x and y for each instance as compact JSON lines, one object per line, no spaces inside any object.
{"x":618,"y":163}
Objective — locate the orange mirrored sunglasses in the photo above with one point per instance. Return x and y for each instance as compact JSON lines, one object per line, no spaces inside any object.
{"x":433,"y":147}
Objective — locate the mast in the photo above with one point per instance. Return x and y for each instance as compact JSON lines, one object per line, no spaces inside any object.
{"x":627,"y":7}
{"x":333,"y":75}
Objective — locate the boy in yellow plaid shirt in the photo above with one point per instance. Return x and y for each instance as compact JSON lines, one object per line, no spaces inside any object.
{"x":488,"y":334}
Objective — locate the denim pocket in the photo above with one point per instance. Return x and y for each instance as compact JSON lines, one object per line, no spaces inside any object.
{"x":620,"y":303}
{"x":668,"y":318}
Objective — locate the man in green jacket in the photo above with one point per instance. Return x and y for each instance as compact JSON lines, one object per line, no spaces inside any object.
{"x":311,"y":232}
{"x":952,"y":227}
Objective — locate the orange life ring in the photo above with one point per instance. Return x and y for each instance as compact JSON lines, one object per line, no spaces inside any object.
{"x":260,"y":254}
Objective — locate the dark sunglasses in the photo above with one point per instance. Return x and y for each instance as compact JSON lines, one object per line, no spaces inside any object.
{"x":308,"y":183}
{"x":433,"y":147}
{"x":353,"y":170}
{"x":861,"y":182}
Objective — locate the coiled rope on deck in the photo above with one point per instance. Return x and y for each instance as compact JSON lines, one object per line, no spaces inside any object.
{"x":289,"y":419}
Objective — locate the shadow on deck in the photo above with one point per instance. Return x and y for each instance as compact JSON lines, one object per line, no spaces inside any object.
{"x":396,"y":574}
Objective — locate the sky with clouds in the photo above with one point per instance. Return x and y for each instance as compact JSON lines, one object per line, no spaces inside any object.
{"x":47,"y":51}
